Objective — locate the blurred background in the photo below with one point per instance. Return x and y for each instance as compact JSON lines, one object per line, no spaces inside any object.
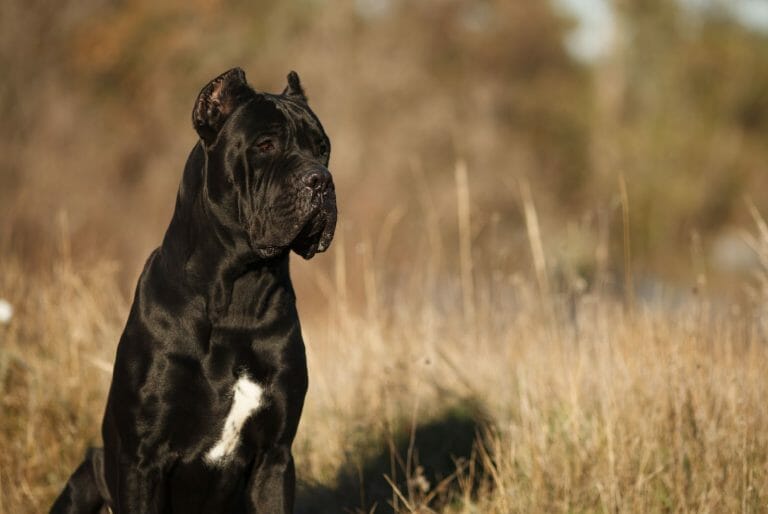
{"x":572,"y":100}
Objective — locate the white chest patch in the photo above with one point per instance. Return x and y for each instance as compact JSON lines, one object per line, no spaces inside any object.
{"x":246,"y":400}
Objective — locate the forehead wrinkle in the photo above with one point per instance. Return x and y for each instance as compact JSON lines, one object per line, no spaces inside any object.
{"x":259,"y":115}
{"x":298,"y":111}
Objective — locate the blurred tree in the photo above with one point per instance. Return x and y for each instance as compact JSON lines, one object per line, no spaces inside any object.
{"x":687,"y":96}
{"x":679,"y":106}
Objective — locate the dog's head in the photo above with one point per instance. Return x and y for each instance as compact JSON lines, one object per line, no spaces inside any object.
{"x":266,"y":165}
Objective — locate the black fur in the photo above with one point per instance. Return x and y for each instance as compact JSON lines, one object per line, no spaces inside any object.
{"x":214,"y":303}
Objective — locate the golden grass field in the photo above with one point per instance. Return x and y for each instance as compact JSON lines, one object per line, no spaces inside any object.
{"x":471,"y":392}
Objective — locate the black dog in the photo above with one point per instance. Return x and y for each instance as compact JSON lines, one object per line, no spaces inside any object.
{"x":210,"y":373}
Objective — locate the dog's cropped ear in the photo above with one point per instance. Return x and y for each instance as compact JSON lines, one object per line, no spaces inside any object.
{"x":294,"y":89}
{"x":217,"y":101}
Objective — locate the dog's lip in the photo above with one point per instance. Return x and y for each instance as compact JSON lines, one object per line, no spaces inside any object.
{"x":267,"y":252}
{"x":309,"y":233}
{"x":326,"y":236}
{"x":317,"y":232}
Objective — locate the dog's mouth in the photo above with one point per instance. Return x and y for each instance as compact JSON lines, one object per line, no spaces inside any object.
{"x":317,"y":233}
{"x":312,"y":235}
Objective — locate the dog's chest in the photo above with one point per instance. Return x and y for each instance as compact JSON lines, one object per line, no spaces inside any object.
{"x":247,"y":398}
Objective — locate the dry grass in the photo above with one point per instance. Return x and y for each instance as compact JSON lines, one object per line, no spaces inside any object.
{"x":586,"y":404}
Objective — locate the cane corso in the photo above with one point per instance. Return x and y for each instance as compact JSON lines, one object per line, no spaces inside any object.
{"x":210,"y":373}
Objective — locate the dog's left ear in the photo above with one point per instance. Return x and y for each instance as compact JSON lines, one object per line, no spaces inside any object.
{"x":217,"y":101}
{"x":294,"y":89}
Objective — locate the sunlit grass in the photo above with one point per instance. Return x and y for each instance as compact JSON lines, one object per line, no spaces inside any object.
{"x":581,"y":403}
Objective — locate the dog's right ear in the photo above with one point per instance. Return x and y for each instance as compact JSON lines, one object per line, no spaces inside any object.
{"x":217,"y":101}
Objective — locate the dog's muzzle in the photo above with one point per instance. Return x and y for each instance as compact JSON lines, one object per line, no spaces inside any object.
{"x":320,"y":224}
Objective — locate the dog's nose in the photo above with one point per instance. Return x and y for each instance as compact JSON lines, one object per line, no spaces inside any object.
{"x":317,"y":180}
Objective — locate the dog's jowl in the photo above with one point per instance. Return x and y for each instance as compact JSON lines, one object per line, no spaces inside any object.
{"x":210,"y":373}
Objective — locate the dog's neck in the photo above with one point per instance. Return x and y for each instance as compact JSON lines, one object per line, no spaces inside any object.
{"x":213,"y":258}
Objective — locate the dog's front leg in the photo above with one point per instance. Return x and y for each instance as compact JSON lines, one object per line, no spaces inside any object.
{"x":272,"y":484}
{"x":140,"y":489}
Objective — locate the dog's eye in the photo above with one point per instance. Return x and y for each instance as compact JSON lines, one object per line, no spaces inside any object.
{"x":322,"y":147}
{"x":266,"y":146}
